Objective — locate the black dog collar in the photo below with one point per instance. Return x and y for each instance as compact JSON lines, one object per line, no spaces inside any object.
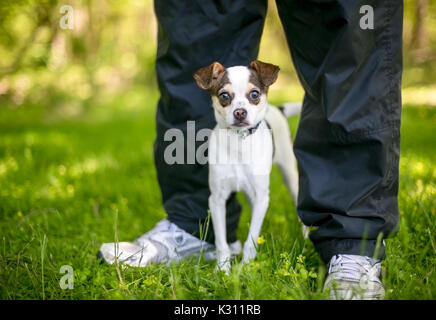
{"x":246,"y":133}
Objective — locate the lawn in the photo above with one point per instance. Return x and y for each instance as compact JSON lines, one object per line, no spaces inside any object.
{"x":68,"y":185}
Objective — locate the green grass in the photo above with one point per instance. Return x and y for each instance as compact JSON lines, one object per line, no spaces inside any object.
{"x":63,"y":182}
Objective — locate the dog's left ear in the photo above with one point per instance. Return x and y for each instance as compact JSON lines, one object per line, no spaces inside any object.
{"x":207,"y":77}
{"x":267,"y":72}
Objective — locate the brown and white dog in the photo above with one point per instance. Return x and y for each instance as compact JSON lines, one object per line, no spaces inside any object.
{"x":242,"y":147}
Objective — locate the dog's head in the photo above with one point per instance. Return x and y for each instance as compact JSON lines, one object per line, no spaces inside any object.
{"x":238,"y":93}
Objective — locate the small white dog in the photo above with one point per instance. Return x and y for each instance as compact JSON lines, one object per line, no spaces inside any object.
{"x":242,"y":147}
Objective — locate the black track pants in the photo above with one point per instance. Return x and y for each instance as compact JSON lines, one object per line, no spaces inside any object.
{"x":348,"y":140}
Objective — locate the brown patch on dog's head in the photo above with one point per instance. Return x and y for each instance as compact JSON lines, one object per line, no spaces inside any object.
{"x":212,"y":77}
{"x":263,"y":75}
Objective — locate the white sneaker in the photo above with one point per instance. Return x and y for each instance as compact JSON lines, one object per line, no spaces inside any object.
{"x":166,"y":242}
{"x":354,"y":277}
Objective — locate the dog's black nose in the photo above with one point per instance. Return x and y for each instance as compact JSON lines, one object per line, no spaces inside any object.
{"x":240,"y":114}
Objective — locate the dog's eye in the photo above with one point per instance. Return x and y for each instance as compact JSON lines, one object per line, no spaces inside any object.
{"x":254,"y":94}
{"x":224,"y":97}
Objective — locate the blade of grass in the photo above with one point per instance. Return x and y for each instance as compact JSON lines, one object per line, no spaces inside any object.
{"x":43,"y":248}
{"x":120,"y":278}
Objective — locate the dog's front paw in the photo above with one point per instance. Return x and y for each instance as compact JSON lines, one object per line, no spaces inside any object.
{"x":224,"y":266}
{"x":249,"y":252}
{"x":223,"y":261}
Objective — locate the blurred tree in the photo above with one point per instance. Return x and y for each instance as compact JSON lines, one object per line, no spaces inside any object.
{"x":42,"y":14}
{"x":419,"y":37}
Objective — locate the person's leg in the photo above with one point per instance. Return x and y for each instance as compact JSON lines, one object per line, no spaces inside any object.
{"x":192,"y":35}
{"x":348,"y":140}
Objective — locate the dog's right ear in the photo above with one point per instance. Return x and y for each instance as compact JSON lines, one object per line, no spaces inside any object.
{"x":207,"y":77}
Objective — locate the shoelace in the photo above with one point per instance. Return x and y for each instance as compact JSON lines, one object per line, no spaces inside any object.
{"x":356,"y":268}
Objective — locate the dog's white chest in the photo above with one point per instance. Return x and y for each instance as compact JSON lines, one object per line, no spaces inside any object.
{"x":234,"y":178}
{"x":239,"y":163}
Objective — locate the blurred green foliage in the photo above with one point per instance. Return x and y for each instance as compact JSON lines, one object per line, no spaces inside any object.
{"x":111,"y":49}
